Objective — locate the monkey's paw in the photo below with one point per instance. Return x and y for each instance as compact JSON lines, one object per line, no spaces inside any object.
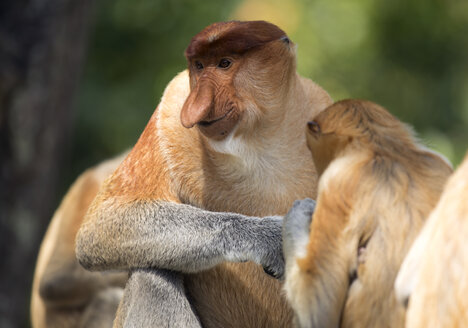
{"x":296,"y":227}
{"x":270,"y":252}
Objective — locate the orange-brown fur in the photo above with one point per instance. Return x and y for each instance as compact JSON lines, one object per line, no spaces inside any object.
{"x":434,"y":274}
{"x":260,"y":169}
{"x":62,"y":289}
{"x":376,"y":187}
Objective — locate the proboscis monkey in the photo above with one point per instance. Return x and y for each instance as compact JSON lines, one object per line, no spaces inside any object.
{"x":64,"y":294}
{"x":434,"y":273}
{"x":227,"y":136}
{"x":376,"y":187}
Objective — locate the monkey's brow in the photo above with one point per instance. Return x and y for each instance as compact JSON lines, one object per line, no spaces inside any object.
{"x":222,"y":47}
{"x":232,"y":43}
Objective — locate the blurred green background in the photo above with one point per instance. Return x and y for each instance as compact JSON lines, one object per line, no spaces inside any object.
{"x":409,"y":56}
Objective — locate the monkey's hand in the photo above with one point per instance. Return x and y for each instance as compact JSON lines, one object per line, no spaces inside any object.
{"x":267,"y":248}
{"x":296,"y":228}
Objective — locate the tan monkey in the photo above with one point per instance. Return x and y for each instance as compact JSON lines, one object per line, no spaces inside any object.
{"x":227,"y":136}
{"x":434,"y":273}
{"x":376,"y":187}
{"x":64,"y":294}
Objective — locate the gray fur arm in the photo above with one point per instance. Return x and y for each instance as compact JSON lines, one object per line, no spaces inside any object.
{"x":176,"y":237}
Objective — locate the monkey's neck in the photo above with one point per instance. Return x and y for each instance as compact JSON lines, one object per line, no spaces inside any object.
{"x":263,"y":154}
{"x":270,"y":168}
{"x":269,"y":143}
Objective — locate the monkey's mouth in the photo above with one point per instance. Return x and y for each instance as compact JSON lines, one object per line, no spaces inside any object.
{"x":209,"y":123}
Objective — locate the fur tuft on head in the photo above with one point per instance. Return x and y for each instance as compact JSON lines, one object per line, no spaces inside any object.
{"x":359,"y":118}
{"x":232,"y":37}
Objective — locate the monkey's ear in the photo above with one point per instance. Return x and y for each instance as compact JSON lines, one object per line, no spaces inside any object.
{"x":314,"y":127}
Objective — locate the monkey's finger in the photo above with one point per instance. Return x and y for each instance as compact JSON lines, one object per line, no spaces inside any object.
{"x":269,"y":271}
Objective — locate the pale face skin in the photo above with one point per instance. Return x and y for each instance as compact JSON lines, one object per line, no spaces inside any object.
{"x":212,"y":105}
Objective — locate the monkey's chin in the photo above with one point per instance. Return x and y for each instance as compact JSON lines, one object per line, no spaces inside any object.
{"x":219,"y":129}
{"x":216,"y":131}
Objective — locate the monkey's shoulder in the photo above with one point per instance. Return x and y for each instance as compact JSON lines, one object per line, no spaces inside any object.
{"x":340,"y":182}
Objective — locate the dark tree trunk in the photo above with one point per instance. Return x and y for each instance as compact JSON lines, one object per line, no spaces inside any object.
{"x":42,"y":46}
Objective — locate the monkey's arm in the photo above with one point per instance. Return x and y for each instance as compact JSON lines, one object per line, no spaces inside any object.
{"x":183,"y":238}
{"x":134,"y":221}
{"x":316,"y":273}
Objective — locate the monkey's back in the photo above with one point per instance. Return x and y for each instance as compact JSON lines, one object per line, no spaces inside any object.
{"x":62,"y":289}
{"x":433,"y":273}
{"x":395,"y":197}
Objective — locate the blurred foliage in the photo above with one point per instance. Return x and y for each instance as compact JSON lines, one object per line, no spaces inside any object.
{"x":409,"y":56}
{"x":136,"y":48}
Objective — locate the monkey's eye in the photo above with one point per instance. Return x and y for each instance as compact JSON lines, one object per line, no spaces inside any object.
{"x":314,"y":126}
{"x":198,"y":65}
{"x":224,"y":63}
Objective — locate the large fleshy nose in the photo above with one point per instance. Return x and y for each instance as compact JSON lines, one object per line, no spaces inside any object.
{"x":198,"y":105}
